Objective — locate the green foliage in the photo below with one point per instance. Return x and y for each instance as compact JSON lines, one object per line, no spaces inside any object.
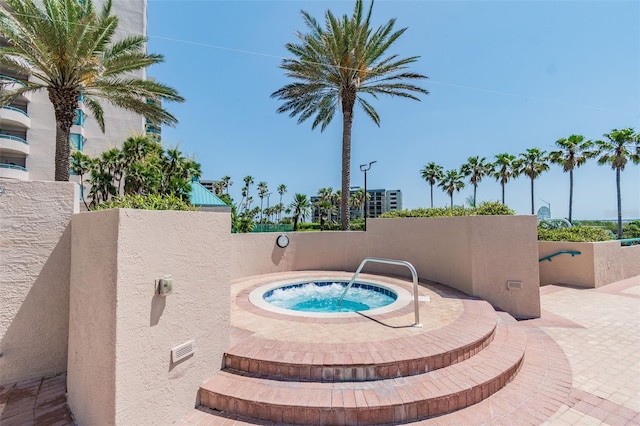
{"x":574,"y":234}
{"x":145,"y":202}
{"x":486,"y":208}
{"x":631,"y":230}
{"x":141,"y":167}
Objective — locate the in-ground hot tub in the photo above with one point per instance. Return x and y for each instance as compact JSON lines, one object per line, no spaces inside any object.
{"x":319,"y":297}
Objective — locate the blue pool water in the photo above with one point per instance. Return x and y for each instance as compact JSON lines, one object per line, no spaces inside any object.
{"x":324,"y":297}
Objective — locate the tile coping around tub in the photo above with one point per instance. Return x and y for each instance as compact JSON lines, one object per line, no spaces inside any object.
{"x":256,"y":297}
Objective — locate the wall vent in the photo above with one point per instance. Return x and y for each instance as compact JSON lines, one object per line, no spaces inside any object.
{"x":183,"y":351}
{"x":514,"y":285}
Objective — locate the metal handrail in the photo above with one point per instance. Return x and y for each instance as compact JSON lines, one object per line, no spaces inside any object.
{"x":414,"y":275}
{"x":571,"y":252}
{"x":13,"y":138}
{"x":11,"y":79}
{"x":12,"y":166}
{"x":12,"y":108}
{"x":629,"y":241}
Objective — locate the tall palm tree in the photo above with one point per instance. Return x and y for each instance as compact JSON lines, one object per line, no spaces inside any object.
{"x":263,"y":189}
{"x":248,"y":181}
{"x":333,"y":66}
{"x":300,"y":207}
{"x":452,"y":180}
{"x":532,"y":163}
{"x":620,"y":147}
{"x":574,"y":152}
{"x":476,"y":167}
{"x":503,"y":169}
{"x":282,"y":188}
{"x":432,"y":173}
{"x":69,"y":49}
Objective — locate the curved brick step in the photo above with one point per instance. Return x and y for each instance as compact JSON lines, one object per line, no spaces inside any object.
{"x":400,"y":357}
{"x":374,"y":402}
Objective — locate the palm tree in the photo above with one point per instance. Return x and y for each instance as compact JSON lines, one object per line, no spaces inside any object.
{"x":69,"y":49}
{"x":226,"y":183}
{"x":503,"y":169}
{"x":574,"y":152}
{"x":300,"y":208}
{"x":333,"y":66}
{"x":326,"y":205}
{"x":432,"y":173}
{"x":620,"y":147}
{"x":263,"y":189}
{"x":248,"y":181}
{"x":81,"y":165}
{"x":282,"y":188}
{"x":476,"y":167}
{"x":451,"y":181}
{"x":532,"y":163}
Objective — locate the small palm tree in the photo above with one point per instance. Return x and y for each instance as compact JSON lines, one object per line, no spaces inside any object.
{"x":81,"y":165}
{"x":282,"y":188}
{"x":452,"y":181}
{"x":532,"y":163}
{"x":69,"y":49}
{"x":432,"y":173}
{"x":504,"y":169}
{"x":620,"y":147}
{"x":574,"y":152}
{"x":226,"y":183}
{"x":476,"y":167}
{"x":263,"y":189}
{"x":334,"y":66}
{"x":300,"y":208}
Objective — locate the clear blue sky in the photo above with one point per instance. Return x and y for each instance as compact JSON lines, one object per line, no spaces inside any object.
{"x":504,"y":76}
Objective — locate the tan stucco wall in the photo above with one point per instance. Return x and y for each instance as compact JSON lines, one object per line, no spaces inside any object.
{"x":120,"y":368}
{"x":35,"y":242}
{"x":599,"y":263}
{"x":474,"y":254}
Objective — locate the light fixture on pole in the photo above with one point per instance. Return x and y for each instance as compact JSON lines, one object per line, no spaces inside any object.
{"x":364,"y":168}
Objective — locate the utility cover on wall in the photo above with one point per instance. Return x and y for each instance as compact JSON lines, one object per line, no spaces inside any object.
{"x":183,"y":351}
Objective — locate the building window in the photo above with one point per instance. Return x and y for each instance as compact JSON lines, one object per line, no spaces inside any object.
{"x":77,"y":141}
{"x":78,"y":120}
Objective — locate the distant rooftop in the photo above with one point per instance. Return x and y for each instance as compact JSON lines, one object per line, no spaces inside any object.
{"x":202,"y":197}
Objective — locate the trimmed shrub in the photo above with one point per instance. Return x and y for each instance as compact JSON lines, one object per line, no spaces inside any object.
{"x":486,"y":208}
{"x":574,"y":234}
{"x":145,"y":202}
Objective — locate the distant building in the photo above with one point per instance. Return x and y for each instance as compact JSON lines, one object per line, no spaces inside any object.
{"x":380,"y":201}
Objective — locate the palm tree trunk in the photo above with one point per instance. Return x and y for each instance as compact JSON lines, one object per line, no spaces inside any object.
{"x":348,"y":100}
{"x":431,"y":195}
{"x":64,"y":104}
{"x":451,"y":195}
{"x":532,"y":207}
{"x":475,"y":187}
{"x":619,"y":203}
{"x":502,"y":192}
{"x":570,"y":193}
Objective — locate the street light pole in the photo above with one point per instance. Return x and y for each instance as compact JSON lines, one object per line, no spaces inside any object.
{"x":364,"y":168}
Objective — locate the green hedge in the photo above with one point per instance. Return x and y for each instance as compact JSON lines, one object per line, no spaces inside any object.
{"x":484,"y":209}
{"x":574,"y":234}
{"x":146,"y":202}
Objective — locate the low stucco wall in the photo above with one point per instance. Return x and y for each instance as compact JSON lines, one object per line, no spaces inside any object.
{"x":474,"y":254}
{"x":35,"y":240}
{"x":121,"y":333}
{"x":599,"y":263}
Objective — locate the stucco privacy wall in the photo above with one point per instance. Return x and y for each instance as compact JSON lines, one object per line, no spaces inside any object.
{"x":35,"y":240}
{"x":599,"y":263}
{"x":120,"y":369}
{"x":474,"y":254}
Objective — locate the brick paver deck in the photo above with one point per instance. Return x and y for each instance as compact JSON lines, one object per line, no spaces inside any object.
{"x":582,"y":366}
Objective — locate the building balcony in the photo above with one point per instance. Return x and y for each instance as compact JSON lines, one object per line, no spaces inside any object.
{"x":15,"y":116}
{"x":12,"y":84}
{"x":11,"y":171}
{"x":13,"y":144}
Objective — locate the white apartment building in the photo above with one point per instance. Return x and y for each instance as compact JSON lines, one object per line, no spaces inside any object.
{"x":27,"y":127}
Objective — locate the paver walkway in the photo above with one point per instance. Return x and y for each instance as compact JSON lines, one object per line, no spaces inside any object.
{"x":585,"y":370}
